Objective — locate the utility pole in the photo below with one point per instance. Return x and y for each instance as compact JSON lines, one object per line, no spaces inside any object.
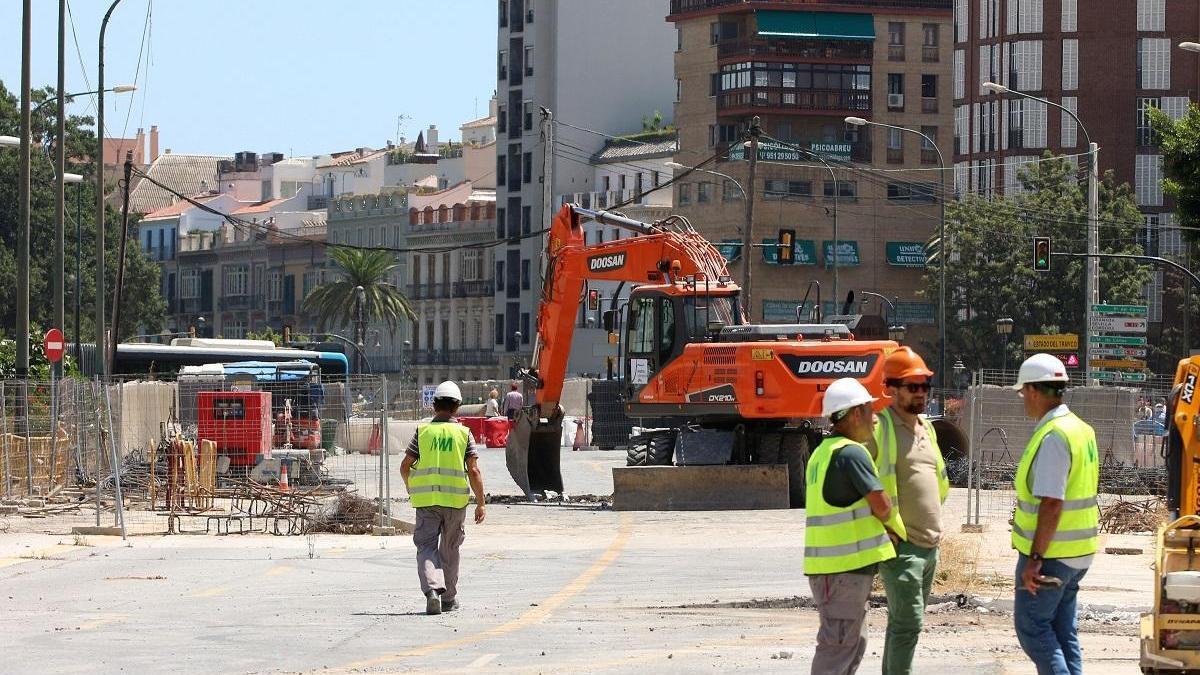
{"x":748,"y":245}
{"x":103,"y":367}
{"x":23,"y":186}
{"x":1092,"y":283}
{"x":58,"y":273}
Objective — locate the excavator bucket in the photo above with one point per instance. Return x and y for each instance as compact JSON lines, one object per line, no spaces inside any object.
{"x":532,"y":452}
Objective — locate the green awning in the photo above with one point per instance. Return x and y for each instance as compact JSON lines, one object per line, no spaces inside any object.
{"x":820,"y":25}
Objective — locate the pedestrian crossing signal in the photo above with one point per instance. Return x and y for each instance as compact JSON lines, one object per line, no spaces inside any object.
{"x":1041,"y":254}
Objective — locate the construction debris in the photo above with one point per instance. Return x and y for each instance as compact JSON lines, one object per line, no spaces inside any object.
{"x":1127,"y":517}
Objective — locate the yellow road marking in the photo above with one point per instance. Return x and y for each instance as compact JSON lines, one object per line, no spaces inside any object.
{"x":101,"y":621}
{"x":210,"y":592}
{"x":534,"y":615}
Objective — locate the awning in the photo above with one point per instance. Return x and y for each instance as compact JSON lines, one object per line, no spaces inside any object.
{"x":819,"y":25}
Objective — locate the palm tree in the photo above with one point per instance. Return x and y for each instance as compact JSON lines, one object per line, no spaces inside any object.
{"x":335,"y":302}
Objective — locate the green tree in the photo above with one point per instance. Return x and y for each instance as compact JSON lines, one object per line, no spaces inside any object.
{"x":334,"y":302}
{"x":990,"y":273}
{"x":142,"y":304}
{"x":1179,"y":143}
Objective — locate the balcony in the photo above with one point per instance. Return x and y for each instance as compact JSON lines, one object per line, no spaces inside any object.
{"x":316,"y":203}
{"x":929,"y":105}
{"x":429,"y":291}
{"x":895,"y":155}
{"x":687,"y":6}
{"x":896,"y":53}
{"x":483,"y":288}
{"x":852,"y":50}
{"x":784,"y":100}
{"x":929,"y":156}
{"x":454,"y":357}
{"x":194,"y":305}
{"x":930,"y":54}
{"x":240,"y":302}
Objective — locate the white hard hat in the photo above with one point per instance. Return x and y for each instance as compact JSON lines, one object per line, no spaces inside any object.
{"x":449,"y":390}
{"x":1041,"y":368}
{"x":844,"y":394}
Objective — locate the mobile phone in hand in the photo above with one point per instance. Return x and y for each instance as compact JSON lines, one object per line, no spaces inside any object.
{"x":1048,"y":582}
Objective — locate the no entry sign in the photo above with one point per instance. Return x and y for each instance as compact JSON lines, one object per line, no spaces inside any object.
{"x":53,"y":345}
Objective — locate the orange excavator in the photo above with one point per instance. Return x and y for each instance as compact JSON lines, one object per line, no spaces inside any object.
{"x":737,"y":393}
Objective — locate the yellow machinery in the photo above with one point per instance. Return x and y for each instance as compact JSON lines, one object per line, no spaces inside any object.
{"x":1170,"y":634}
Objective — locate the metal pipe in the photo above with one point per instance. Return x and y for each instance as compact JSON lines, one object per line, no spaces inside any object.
{"x":617,"y":220}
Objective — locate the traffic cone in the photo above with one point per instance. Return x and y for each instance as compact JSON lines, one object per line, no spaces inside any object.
{"x":375,"y":443}
{"x":283,"y":479}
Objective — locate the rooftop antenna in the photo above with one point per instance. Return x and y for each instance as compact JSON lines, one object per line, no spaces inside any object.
{"x":399,"y":120}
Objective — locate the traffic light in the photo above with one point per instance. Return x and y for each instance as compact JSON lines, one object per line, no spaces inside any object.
{"x":593,"y":300}
{"x":786,"y":248}
{"x":1041,"y":254}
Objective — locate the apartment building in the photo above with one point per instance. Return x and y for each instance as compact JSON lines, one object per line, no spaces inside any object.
{"x":802,"y":68}
{"x":597,"y":66}
{"x":1109,"y":61}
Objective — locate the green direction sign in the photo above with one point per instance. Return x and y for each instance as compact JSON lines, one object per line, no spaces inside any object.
{"x":804,"y":252}
{"x":906,"y":253}
{"x":847,"y":253}
{"x":1111,"y":340}
{"x":1114,"y":376}
{"x":731,"y":249}
{"x":1130,"y":310}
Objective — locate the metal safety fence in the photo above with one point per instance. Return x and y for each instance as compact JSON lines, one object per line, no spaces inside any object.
{"x":1129,"y":422}
{"x":239,"y":450}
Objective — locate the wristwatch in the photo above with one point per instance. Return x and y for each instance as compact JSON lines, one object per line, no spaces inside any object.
{"x":1037,"y":556}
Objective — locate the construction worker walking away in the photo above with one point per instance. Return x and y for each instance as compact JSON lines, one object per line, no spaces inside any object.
{"x":844,"y":534}
{"x":1056,"y":519}
{"x":440,"y":470}
{"x":913,"y":475}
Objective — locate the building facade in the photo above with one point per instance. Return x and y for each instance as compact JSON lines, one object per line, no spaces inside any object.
{"x":598,"y":67}
{"x":802,"y":68}
{"x":1109,"y":61}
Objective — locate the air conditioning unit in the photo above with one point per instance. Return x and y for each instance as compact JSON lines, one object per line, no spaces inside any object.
{"x":895,"y":100}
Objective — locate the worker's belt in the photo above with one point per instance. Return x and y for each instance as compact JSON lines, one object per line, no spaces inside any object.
{"x":1068,"y":505}
{"x":838,"y":518}
{"x":845,"y":549}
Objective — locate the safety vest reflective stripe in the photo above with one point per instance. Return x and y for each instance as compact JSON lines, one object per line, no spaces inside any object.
{"x":1068,"y":505}
{"x":839,"y":539}
{"x":846,"y":549}
{"x":839,"y":518}
{"x":1060,"y":535}
{"x":421,"y":489}
{"x":439,"y":477}
{"x":1077,"y":533}
{"x":437,"y":471}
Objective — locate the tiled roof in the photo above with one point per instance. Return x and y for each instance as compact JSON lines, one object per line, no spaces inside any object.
{"x":481,"y":122}
{"x":262,"y":207}
{"x":185,"y":174}
{"x":177,"y":208}
{"x":620,"y":150}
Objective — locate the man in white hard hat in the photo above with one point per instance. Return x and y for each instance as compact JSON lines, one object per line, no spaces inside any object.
{"x":1056,"y":521}
{"x":845,"y":538}
{"x":440,"y":470}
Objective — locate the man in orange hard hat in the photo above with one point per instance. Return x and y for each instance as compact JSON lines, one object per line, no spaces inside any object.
{"x":913,"y":474}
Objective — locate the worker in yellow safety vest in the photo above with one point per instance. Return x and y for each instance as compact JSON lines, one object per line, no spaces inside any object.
{"x":1056,"y":520}
{"x":913,"y":474}
{"x":440,"y":470}
{"x":844,"y":534}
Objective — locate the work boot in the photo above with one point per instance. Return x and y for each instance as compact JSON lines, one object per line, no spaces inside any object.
{"x":433,"y":603}
{"x":449,"y":605}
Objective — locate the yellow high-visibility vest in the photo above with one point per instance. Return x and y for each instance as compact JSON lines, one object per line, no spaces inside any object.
{"x":887,"y":452}
{"x":439,"y":476}
{"x":1078,"y":527}
{"x":837,"y":538}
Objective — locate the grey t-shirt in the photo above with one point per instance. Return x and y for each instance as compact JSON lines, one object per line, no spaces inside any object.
{"x":1049,"y":471}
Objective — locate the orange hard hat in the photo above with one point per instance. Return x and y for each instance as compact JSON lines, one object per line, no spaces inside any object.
{"x":904,"y":362}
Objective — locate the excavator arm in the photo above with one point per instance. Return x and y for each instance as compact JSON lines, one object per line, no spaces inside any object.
{"x":661,"y":252}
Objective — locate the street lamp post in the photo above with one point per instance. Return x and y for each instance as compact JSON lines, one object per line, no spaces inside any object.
{"x":77,"y":180}
{"x":360,"y":328}
{"x":104,"y":367}
{"x":1004,"y":328}
{"x":1091,"y":286}
{"x":859,"y":121}
{"x":746,"y":248}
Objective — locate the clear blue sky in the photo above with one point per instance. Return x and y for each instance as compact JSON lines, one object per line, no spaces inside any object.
{"x":293,"y":76}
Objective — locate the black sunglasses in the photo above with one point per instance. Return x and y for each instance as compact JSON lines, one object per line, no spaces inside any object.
{"x":911,"y":387}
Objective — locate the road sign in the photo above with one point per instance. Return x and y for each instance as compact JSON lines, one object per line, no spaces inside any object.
{"x":1132,"y":364}
{"x":1116,"y":324}
{"x":1051,"y":343}
{"x":53,"y":345}
{"x":1069,"y":359}
{"x":1118,"y":352}
{"x":1114,"y":340}
{"x":1128,"y":310}
{"x":1114,"y":376}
